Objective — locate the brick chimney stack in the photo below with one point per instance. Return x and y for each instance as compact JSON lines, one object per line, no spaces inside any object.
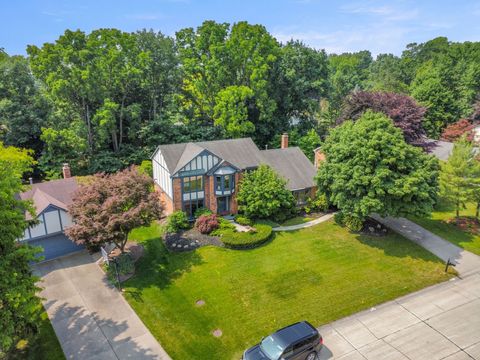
{"x":284,"y":142}
{"x":67,"y":173}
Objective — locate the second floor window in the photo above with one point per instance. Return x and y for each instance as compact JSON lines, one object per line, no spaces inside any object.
{"x":224,"y":183}
{"x":192,"y":184}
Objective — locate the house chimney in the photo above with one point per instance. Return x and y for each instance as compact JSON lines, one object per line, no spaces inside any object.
{"x":66,"y":171}
{"x":284,"y":142}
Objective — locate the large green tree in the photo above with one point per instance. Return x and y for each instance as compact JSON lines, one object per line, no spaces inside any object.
{"x":263,"y":195}
{"x":19,"y":306}
{"x":369,"y":168}
{"x":23,"y":107}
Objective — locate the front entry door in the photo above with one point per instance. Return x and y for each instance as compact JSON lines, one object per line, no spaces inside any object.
{"x":223,"y":204}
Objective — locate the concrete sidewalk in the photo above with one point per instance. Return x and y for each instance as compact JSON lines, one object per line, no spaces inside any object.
{"x":91,"y":318}
{"x":466,"y":262}
{"x":440,"y":322}
{"x":304,"y":225}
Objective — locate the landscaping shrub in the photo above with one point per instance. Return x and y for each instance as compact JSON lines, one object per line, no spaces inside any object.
{"x":243,"y":220}
{"x":177,"y":221}
{"x":246,"y":240}
{"x":207,"y":223}
{"x":317,"y":203}
{"x":353,"y":223}
{"x":202,"y":211}
{"x":224,"y":226}
{"x":125,"y":266}
{"x":339,"y":218}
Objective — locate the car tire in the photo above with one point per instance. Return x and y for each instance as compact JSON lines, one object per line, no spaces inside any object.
{"x":311,"y":356}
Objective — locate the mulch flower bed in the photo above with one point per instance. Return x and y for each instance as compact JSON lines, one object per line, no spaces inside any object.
{"x":189,"y":240}
{"x":466,"y":223}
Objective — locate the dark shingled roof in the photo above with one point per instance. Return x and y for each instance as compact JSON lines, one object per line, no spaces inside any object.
{"x":290,"y":163}
{"x":55,"y":192}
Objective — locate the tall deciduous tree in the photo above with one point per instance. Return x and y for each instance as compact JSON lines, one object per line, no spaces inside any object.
{"x":19,"y":306}
{"x":263,"y":194}
{"x":106,"y":210}
{"x":369,"y":168}
{"x":23,"y":107}
{"x":402,"y":109}
{"x":459,"y":175}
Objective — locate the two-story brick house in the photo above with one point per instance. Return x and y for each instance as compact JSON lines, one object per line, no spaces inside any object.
{"x":189,"y":176}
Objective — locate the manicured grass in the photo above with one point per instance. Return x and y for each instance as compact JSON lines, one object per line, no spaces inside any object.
{"x":296,"y":221}
{"x":437,"y":224}
{"x":320,"y":274}
{"x":45,"y":346}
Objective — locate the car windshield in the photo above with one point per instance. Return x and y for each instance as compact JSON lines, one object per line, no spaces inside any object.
{"x":273,"y":349}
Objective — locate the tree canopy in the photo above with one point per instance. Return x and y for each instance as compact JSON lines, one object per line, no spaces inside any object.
{"x":20,"y":307}
{"x":110,"y":206}
{"x":263,"y":195}
{"x":369,"y":168}
{"x":111,"y":97}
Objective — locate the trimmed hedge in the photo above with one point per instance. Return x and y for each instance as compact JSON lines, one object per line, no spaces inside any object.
{"x":243,"y":220}
{"x":246,"y":240}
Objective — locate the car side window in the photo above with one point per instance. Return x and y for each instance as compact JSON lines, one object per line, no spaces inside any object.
{"x":301,"y":345}
{"x":287,"y":352}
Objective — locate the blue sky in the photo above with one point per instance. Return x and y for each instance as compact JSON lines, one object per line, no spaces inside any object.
{"x":337,"y":26}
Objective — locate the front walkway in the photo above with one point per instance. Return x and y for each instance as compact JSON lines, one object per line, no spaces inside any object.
{"x":304,"y":225}
{"x":440,"y":322}
{"x":91,"y":318}
{"x":466,"y":262}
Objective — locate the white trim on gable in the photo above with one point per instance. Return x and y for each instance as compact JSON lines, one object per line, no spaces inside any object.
{"x":161,"y":176}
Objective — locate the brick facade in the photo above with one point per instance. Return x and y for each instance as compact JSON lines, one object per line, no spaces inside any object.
{"x":167,"y":203}
{"x":177,"y":194}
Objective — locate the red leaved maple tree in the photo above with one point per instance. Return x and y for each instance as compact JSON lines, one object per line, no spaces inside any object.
{"x":112,"y":205}
{"x":455,"y":131}
{"x":402,"y":109}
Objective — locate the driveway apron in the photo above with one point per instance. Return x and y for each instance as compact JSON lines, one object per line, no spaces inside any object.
{"x":91,"y":318}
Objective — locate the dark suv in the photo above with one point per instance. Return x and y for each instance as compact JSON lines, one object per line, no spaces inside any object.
{"x":300,"y":341}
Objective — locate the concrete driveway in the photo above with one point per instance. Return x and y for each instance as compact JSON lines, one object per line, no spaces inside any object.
{"x":440,"y":322}
{"x":91,"y":318}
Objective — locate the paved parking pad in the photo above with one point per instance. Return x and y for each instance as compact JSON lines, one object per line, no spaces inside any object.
{"x":91,"y":318}
{"x":440,"y":322}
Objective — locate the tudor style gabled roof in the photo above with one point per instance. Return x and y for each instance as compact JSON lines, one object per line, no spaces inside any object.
{"x":242,"y":153}
{"x":58,"y":193}
{"x":289,"y":163}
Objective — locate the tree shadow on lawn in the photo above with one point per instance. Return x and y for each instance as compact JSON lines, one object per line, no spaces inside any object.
{"x":397,"y":246}
{"x":84,"y":335}
{"x":159,"y":267}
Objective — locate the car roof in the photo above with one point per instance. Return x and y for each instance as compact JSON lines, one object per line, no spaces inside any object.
{"x":294,"y":332}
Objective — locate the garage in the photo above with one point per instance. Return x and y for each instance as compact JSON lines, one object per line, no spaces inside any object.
{"x":55,"y":246}
{"x":51,"y":200}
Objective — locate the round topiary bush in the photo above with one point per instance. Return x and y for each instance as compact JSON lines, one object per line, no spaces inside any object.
{"x":207,"y":223}
{"x":247,"y":240}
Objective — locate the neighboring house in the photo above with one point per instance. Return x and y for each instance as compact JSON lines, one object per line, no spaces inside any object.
{"x":190,"y":176}
{"x":50,"y":200}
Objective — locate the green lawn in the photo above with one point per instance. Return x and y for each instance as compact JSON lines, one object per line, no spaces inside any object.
{"x":438,"y":225}
{"x":320,"y":274}
{"x":297,"y":220}
{"x":45,"y":346}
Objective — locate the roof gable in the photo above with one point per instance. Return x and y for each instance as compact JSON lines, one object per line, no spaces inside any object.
{"x":58,"y":193}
